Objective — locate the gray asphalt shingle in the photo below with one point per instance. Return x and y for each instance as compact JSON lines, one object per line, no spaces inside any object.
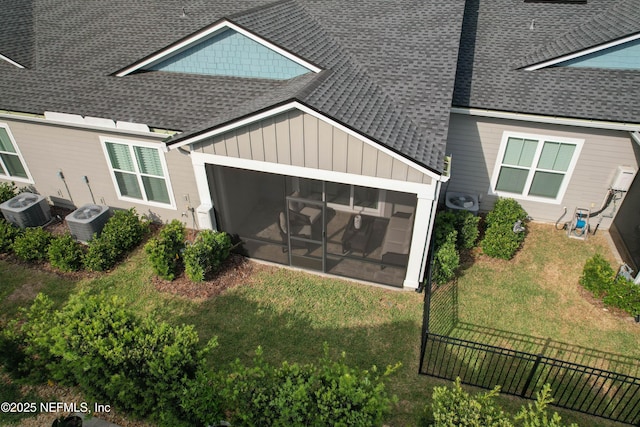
{"x":367,"y":52}
{"x":391,"y":69}
{"x":497,"y":39}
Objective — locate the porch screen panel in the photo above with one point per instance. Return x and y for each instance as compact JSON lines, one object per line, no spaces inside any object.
{"x":248,"y":206}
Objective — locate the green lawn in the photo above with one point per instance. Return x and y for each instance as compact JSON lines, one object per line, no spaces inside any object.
{"x":535,"y":301}
{"x":291,"y":314}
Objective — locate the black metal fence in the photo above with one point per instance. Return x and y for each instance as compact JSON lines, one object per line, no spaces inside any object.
{"x":575,"y":386}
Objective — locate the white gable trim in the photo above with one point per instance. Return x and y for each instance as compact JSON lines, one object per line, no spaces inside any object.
{"x":301,"y":107}
{"x":583,"y":52}
{"x":208,"y":32}
{"x":10,"y":61}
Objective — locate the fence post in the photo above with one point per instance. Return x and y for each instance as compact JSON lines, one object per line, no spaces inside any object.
{"x":426,"y":311}
{"x":531,"y":375}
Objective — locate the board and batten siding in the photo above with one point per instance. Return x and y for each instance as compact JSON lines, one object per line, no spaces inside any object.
{"x":48,"y":148}
{"x":474,"y":142}
{"x":299,"y":139}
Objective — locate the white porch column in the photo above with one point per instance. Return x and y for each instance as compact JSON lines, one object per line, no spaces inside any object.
{"x":419,"y":239}
{"x":206,"y":217}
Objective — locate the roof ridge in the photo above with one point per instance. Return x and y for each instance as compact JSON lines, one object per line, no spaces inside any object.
{"x":617,"y":22}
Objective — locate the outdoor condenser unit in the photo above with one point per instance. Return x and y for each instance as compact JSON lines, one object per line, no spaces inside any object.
{"x":26,"y":210}
{"x":87,"y":220}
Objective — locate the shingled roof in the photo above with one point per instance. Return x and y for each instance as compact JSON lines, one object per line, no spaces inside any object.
{"x":500,"y":37}
{"x":388,"y":67}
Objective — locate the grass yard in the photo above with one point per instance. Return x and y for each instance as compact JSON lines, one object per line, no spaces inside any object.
{"x":291,"y":314}
{"x":535,"y":301}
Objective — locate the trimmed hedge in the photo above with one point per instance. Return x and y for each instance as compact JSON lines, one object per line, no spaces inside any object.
{"x":32,"y":244}
{"x":164,"y":251}
{"x":95,"y":342}
{"x":65,"y":253}
{"x":500,"y":241}
{"x":453,"y":231}
{"x":206,"y":254}
{"x":599,"y":277}
{"x":323,"y":394}
{"x":121,"y":234}
{"x":155,"y":370}
{"x":446,"y":260}
{"x":8,"y":234}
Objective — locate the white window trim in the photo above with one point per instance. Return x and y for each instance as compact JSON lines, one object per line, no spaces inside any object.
{"x":541,"y":139}
{"x":163,"y":163}
{"x":29,"y":179}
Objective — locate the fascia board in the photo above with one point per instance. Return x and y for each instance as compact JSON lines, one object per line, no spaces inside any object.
{"x":11,"y":61}
{"x":496,"y":114}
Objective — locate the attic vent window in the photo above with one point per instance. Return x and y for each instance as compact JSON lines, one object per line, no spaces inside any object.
{"x":226,"y":49}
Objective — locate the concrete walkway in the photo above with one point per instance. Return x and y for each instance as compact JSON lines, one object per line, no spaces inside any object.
{"x":95,"y":422}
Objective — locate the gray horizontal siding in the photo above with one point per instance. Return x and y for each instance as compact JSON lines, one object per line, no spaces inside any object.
{"x":48,"y":149}
{"x":474,"y":143}
{"x":299,"y":139}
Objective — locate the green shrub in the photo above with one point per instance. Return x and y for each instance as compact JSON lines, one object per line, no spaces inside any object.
{"x":623,"y":294}
{"x":455,"y":407}
{"x":507,"y":212}
{"x":8,"y":234}
{"x":597,"y":275}
{"x":206,"y":254}
{"x":535,"y":414}
{"x":96,"y":343}
{"x":446,"y":260}
{"x":329,"y":393}
{"x":164,"y":251}
{"x":101,"y":255}
{"x":122,"y":233}
{"x":202,"y":398}
{"x":464,"y":222}
{"x":125,"y":230}
{"x":468,"y":229}
{"x":500,"y":241}
{"x":65,"y":253}
{"x":444,"y":224}
{"x":32,"y":245}
{"x":8,"y":191}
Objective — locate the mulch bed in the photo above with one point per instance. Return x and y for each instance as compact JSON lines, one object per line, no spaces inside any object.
{"x":235,"y":271}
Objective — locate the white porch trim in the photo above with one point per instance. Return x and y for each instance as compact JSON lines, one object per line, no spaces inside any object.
{"x":301,"y":107}
{"x":422,"y":190}
{"x":426,"y":199}
{"x":206,"y":217}
{"x":419,"y":242}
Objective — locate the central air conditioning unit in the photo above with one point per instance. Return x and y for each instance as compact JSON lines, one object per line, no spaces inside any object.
{"x":87,"y":220}
{"x":26,"y":210}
